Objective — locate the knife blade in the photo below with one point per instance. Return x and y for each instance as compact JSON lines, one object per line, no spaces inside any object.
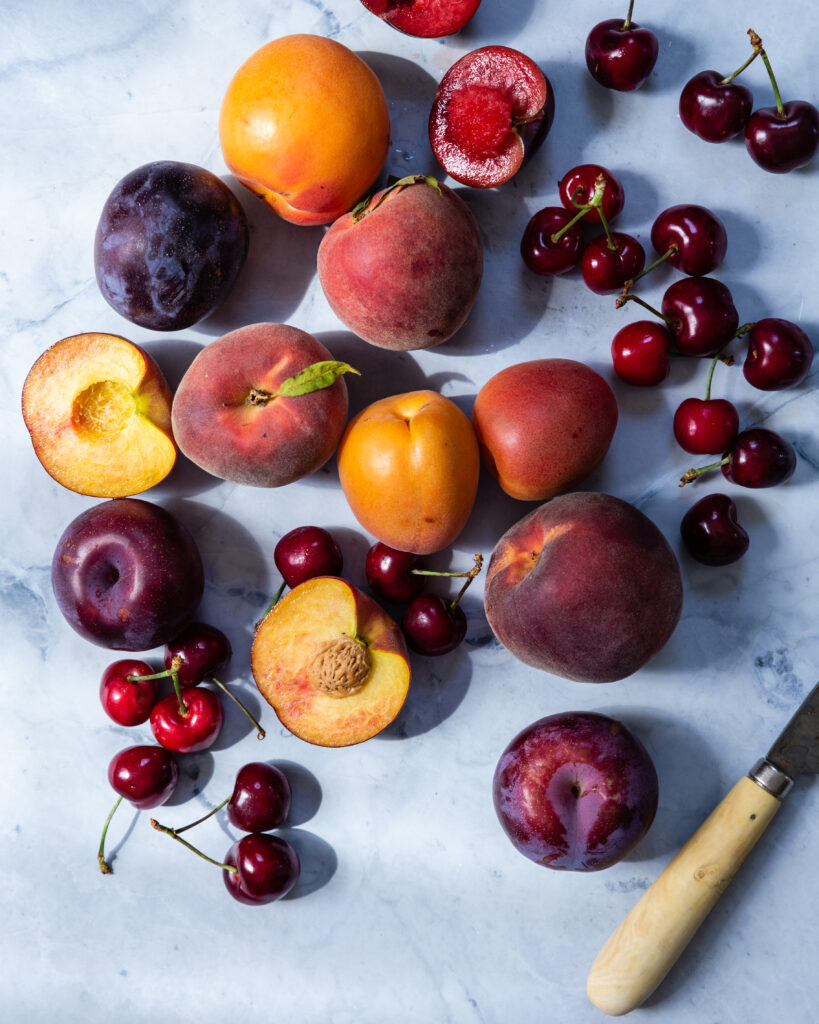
{"x":645,"y":946}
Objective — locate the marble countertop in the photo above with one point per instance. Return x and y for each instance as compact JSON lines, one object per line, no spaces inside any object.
{"x":413,"y":906}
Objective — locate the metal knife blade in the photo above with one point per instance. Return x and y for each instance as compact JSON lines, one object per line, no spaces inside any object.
{"x":796,"y":751}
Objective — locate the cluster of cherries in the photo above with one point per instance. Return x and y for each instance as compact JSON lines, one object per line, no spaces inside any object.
{"x":779,"y":139}
{"x":432,"y":625}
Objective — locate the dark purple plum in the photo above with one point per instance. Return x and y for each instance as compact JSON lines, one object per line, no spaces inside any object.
{"x":127,"y":575}
{"x":170,"y":244}
{"x":575,"y":791}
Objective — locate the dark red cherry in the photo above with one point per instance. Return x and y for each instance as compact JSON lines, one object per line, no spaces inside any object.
{"x":694,"y":237}
{"x":779,"y":355}
{"x":577,"y":187}
{"x":713,"y":109}
{"x":621,"y":55}
{"x":705,"y":426}
{"x":640,"y":353}
{"x":760,"y":458}
{"x":711,"y":533}
{"x":144,"y":775}
{"x":195,"y":727}
{"x":198,"y":651}
{"x":433,"y":626}
{"x":128,"y":701}
{"x":307,"y":552}
{"x":605,"y":270}
{"x":389,"y":573}
{"x":701,"y":315}
{"x":782,"y":141}
{"x":541,"y":253}
{"x":267,"y":868}
{"x":260,"y":799}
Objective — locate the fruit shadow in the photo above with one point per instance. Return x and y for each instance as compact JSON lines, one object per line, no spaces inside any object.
{"x":676,"y":62}
{"x":410,"y":92}
{"x":689,"y":777}
{"x":112,"y":850}
{"x":317,"y":857}
{"x":195,"y":772}
{"x":717,"y":931}
{"x":743,"y":242}
{"x":280,"y":265}
{"x":498,"y":22}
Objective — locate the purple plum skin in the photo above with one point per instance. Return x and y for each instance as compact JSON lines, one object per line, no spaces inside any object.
{"x":170,"y":244}
{"x":127,"y":575}
{"x":575,"y":791}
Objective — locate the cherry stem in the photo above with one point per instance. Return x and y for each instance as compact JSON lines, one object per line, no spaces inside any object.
{"x":105,"y":867}
{"x":692,"y":474}
{"x":593,"y":204}
{"x":260,"y":733}
{"x":756,"y":43}
{"x":199,"y":821}
{"x":275,"y":601}
{"x":473,"y":572}
{"x":432,"y":572}
{"x":729,"y":78}
{"x":743,"y":330}
{"x":173,"y":672}
{"x":628,"y":296}
{"x":661,"y":259}
{"x":173,"y":833}
{"x":710,"y":376}
{"x":627,"y":22}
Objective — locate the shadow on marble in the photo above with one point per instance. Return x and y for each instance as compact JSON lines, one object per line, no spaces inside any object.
{"x":676,"y":63}
{"x":743,"y":245}
{"x":112,"y":850}
{"x":280,"y":266}
{"x":318,"y":861}
{"x":306,"y":789}
{"x":641,"y":207}
{"x":497,"y":22}
{"x":195,"y":772}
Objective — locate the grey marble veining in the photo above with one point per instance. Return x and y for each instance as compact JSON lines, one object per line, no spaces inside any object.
{"x":413,"y":907}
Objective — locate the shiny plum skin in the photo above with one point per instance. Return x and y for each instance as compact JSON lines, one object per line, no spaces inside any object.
{"x":170,"y":244}
{"x":575,"y":791}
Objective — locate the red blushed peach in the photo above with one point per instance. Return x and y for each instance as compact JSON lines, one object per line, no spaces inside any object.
{"x":231,"y":418}
{"x":331,"y":663}
{"x":543,"y":426}
{"x":403,"y":271}
{"x":99,"y":413}
{"x":585,"y":586}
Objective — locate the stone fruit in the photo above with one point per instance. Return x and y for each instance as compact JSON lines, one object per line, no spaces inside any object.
{"x":641,"y":353}
{"x":493,"y":109}
{"x":427,"y":19}
{"x":705,"y":426}
{"x":99,"y":413}
{"x":577,"y":187}
{"x":711,"y":533}
{"x":246,"y":410}
{"x":127,"y":575}
{"x":701,"y":314}
{"x":260,"y":868}
{"x":304,"y":125}
{"x":714,"y":106}
{"x":544,"y":425}
{"x":331,"y":663}
{"x":170,"y":244}
{"x":127,"y":700}
{"x":306,"y":552}
{"x":620,"y":54}
{"x":402,"y":271}
{"x":610,"y":260}
{"x":260,"y":799}
{"x":779,"y":355}
{"x":187,"y":721}
{"x":409,"y":466}
{"x":691,"y":238}
{"x":552,"y":241}
{"x":575,"y":791}
{"x":585,"y":587}
{"x":757,"y":458}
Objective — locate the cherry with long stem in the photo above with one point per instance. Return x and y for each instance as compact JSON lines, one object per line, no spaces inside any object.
{"x":434,"y":626}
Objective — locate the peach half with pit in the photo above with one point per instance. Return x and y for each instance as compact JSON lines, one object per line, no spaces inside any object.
{"x":99,"y":413}
{"x":332,"y":663}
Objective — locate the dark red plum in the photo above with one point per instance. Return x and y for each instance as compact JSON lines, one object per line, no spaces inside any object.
{"x":127,"y":575}
{"x":575,"y":791}
{"x":170,"y":244}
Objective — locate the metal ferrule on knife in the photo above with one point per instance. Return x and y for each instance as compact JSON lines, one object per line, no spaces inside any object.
{"x":767,"y":775}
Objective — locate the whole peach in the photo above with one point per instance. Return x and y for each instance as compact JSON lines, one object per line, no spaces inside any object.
{"x":544,"y":425}
{"x":408,"y":465}
{"x":230,"y":419}
{"x":304,"y":125}
{"x":585,"y":586}
{"x":403,"y":272}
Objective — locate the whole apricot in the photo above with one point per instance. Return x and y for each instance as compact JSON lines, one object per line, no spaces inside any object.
{"x":409,"y":467}
{"x":304,"y":125}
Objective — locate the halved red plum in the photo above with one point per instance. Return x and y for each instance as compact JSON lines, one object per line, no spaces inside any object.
{"x":426,"y":19}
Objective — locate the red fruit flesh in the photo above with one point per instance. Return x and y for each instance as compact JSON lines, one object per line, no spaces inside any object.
{"x":493,"y":107}
{"x":425,"y":19}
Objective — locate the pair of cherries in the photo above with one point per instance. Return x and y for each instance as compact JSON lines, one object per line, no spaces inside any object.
{"x":431,"y":624}
{"x":779,"y":138}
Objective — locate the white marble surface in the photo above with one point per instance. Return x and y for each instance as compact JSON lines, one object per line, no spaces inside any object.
{"x":413,"y":906}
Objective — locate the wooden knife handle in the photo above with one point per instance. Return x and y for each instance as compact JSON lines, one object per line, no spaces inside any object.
{"x":642,"y":950}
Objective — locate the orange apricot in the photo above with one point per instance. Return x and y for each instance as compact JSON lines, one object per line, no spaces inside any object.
{"x":304,"y":125}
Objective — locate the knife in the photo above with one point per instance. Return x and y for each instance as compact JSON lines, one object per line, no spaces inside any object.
{"x":645,"y":946}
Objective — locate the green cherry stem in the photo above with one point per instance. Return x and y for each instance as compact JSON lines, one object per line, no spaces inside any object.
{"x":260,"y":733}
{"x":729,"y":78}
{"x":756,"y":43}
{"x":105,"y":867}
{"x":692,"y":474}
{"x":470,"y":576}
{"x":174,"y":834}
{"x":661,"y":259}
{"x":269,"y":608}
{"x":173,"y":672}
{"x":627,"y":22}
{"x":628,"y":296}
{"x":184,"y":828}
{"x":594,"y":203}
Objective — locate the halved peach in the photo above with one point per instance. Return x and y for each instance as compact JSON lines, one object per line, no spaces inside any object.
{"x":99,"y":413}
{"x":332,"y":664}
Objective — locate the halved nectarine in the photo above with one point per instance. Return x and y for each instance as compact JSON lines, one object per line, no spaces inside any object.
{"x":99,"y":413}
{"x":332,"y":663}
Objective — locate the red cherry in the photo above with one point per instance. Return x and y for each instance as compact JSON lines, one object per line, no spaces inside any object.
{"x":705,"y":426}
{"x":128,"y":701}
{"x":433,"y":625}
{"x":760,"y":458}
{"x":606,"y":269}
{"x":620,"y":54}
{"x":144,"y":775}
{"x":307,"y":552}
{"x":711,"y":533}
{"x":260,"y":799}
{"x":693,"y":238}
{"x":190,"y":730}
{"x":198,"y":651}
{"x":577,"y":187}
{"x":779,"y":141}
{"x":640,"y":353}
{"x":780,"y":355}
{"x":266,"y":866}
{"x":701,"y":314}
{"x":714,"y":109}
{"x":389,"y":573}
{"x":541,"y":253}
